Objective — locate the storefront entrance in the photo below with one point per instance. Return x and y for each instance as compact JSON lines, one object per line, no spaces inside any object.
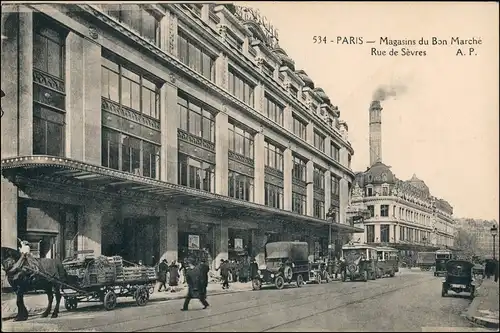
{"x":141,"y":240}
{"x":239,"y":243}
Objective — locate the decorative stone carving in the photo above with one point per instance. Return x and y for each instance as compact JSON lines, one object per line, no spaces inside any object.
{"x":172,"y":32}
{"x":93,"y":32}
{"x":240,"y":158}
{"x":188,"y":137}
{"x":222,"y":30}
{"x":357,"y":192}
{"x":274,"y":172}
{"x":224,"y":71}
{"x":172,"y":77}
{"x":129,"y":114}
{"x":48,"y":81}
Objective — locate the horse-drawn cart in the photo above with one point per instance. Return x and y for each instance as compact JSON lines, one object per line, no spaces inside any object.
{"x":104,"y":279}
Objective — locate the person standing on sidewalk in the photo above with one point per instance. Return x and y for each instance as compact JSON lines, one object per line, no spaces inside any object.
{"x":224,"y":273}
{"x":162,"y":275}
{"x":195,"y":286}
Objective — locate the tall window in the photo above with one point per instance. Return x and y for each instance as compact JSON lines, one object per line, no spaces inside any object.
{"x":240,"y":87}
{"x":130,"y":89}
{"x":294,"y":91}
{"x":319,"y":209}
{"x":371,"y":209}
{"x":274,"y":156}
{"x":240,"y":186}
{"x":385,"y":191}
{"x":319,"y":141}
{"x":194,"y":118}
{"x":384,"y":210}
{"x":273,"y":110}
{"x":402,"y":233}
{"x":137,"y":18}
{"x":319,"y":179}
{"x":370,"y":234}
{"x":299,"y":169}
{"x":299,"y":128}
{"x":369,"y":191}
{"x":334,"y":152}
{"x":299,"y":203}
{"x":349,"y":157}
{"x":123,"y":152}
{"x":240,"y":141}
{"x":49,"y":97}
{"x":335,"y":186}
{"x":384,"y":233}
{"x":195,"y":57}
{"x":273,"y":196}
{"x":196,"y":173}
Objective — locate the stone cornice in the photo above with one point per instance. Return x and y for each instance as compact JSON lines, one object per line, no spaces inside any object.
{"x":245,"y":63}
{"x":291,"y":74}
{"x":233,"y":20}
{"x":171,"y":61}
{"x":395,"y":199}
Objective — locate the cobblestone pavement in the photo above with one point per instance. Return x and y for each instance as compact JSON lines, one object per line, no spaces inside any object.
{"x":408,"y":302}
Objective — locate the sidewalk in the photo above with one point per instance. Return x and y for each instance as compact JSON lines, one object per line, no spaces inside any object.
{"x":484,"y":308}
{"x":37,"y":303}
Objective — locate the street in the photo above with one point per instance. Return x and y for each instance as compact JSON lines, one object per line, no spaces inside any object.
{"x":410,"y":301}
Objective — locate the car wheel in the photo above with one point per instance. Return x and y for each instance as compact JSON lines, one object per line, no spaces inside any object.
{"x":279,"y":282}
{"x":256,"y":284}
{"x":300,"y":280}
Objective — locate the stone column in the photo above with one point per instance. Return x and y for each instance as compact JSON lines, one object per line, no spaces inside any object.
{"x":92,"y":101}
{"x":310,"y":133}
{"x":343,"y":199}
{"x":288,"y":118}
{"x":9,"y":214}
{"x":287,"y":179}
{"x":259,"y":160}
{"x":205,"y":13}
{"x":259,"y":239}
{"x":221,"y":71}
{"x":169,"y":236}
{"x":328,"y":191}
{"x":221,"y":153}
{"x":90,"y":228}
{"x":221,"y":246}
{"x":328,"y":141}
{"x":377,"y":233}
{"x":75,"y":116}
{"x":259,"y":97}
{"x":168,"y":33}
{"x":310,"y":187}
{"x":396,"y":235}
{"x":169,"y":118}
{"x":25,"y":77}
{"x":311,"y":241}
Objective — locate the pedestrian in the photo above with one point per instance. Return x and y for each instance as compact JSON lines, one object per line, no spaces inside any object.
{"x":174,"y":275}
{"x":162,"y":274}
{"x":195,"y":286}
{"x":204,"y":270}
{"x":224,"y":273}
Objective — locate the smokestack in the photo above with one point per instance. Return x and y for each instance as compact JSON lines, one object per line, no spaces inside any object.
{"x":375,"y":132}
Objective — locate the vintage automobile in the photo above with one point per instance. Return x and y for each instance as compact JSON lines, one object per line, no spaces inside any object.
{"x":459,"y":278}
{"x":426,"y":260}
{"x":286,"y":262}
{"x":318,"y":272}
{"x":387,"y":261}
{"x":359,"y":262}
{"x":442,"y":257}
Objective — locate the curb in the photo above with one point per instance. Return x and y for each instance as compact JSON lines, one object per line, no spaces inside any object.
{"x":483,"y":322}
{"x":38,"y":310}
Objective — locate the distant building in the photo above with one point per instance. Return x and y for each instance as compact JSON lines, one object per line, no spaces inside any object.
{"x":402,"y":214}
{"x":481,"y":232}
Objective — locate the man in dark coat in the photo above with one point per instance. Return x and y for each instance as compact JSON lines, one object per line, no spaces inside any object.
{"x":162,"y":274}
{"x":224,"y":273}
{"x":204,"y":269}
{"x":196,"y":286}
{"x":173,"y":269}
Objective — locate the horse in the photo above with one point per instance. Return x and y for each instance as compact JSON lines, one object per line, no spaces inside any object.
{"x":23,"y":273}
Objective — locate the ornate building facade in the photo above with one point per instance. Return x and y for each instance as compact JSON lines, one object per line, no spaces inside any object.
{"x":156,"y":130}
{"x":402,"y":214}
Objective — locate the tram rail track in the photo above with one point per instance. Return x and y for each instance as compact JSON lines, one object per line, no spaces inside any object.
{"x":281,"y":303}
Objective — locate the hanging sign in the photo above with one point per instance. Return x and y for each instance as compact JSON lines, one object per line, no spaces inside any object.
{"x":194,"y":242}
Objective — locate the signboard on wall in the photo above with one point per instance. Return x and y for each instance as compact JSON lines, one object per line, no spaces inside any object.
{"x":238,"y":244}
{"x":194,"y":242}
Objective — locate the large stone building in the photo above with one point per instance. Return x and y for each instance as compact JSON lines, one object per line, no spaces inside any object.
{"x":481,"y":238}
{"x":400,"y":213}
{"x":155,"y":130}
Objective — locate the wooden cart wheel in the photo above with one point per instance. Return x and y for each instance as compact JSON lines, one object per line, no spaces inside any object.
{"x":300,"y":280}
{"x":279,"y":282}
{"x":141,"y":296}
{"x":256,"y":284}
{"x":70,"y":303}
{"x":110,"y":300}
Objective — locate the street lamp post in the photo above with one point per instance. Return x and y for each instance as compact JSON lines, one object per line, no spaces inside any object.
{"x":1,"y":110}
{"x":494,"y":232}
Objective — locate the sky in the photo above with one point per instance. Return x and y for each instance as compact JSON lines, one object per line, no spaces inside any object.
{"x":444,"y":126}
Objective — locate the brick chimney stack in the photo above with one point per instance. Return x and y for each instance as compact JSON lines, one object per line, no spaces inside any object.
{"x":375,"y":132}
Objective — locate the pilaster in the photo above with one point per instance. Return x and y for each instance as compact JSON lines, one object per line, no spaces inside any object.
{"x":221,"y":153}
{"x":310,"y":133}
{"x":288,"y":118}
{"x":169,"y":120}
{"x":25,"y":77}
{"x":90,"y":227}
{"x":169,"y":236}
{"x":328,"y":191}
{"x":259,"y":160}
{"x":221,"y":243}
{"x":9,"y":214}
{"x":168,"y":33}
{"x":92,"y":101}
{"x":310,"y":187}
{"x":377,"y":233}
{"x":221,"y":71}
{"x":259,"y":98}
{"x":287,"y":179}
{"x":344,"y":199}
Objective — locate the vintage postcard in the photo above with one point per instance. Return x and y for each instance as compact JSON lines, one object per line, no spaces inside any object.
{"x":249,"y":166}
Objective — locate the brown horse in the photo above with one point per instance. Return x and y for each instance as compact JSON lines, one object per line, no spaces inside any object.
{"x":31,"y":274}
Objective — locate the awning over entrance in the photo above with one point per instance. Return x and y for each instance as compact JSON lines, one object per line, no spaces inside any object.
{"x":51,"y":169}
{"x":407,"y":246}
